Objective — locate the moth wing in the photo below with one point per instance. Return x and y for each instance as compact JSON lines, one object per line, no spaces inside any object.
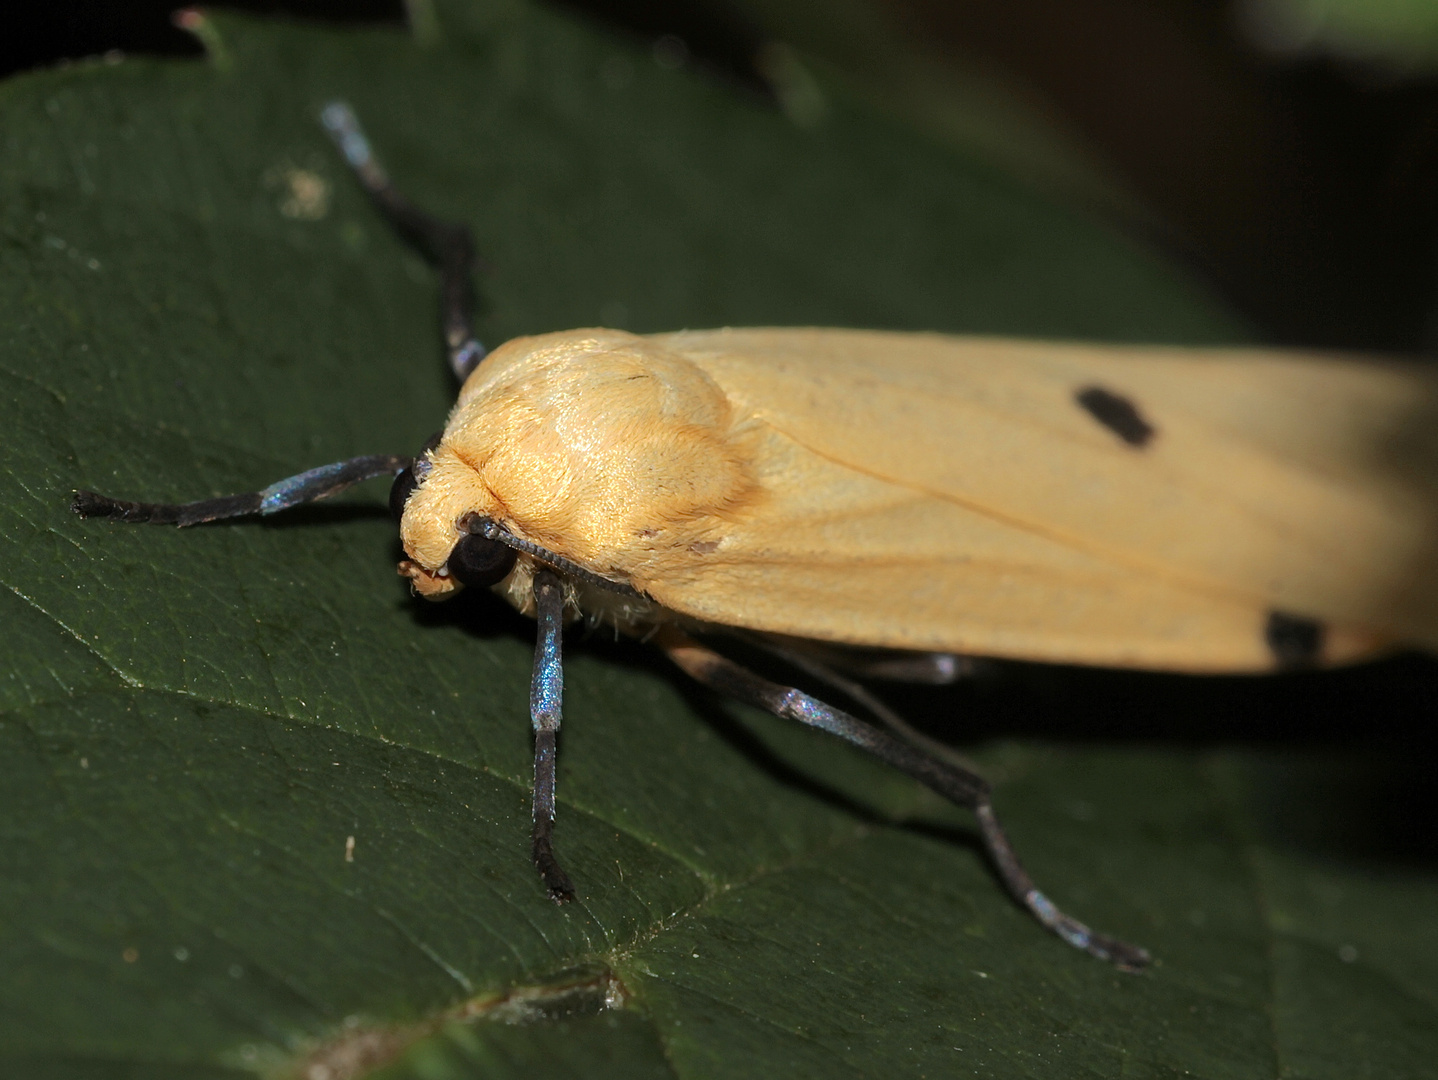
{"x":904,"y":467}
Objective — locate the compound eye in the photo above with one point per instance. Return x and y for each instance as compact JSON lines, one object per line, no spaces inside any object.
{"x":479,"y":562}
{"x":405,"y":483}
{"x":400,"y":491}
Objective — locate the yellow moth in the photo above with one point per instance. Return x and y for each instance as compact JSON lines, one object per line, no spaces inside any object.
{"x":1178,"y":509}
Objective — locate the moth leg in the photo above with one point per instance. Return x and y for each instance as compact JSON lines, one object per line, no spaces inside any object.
{"x":308,"y":486}
{"x":890,"y":665}
{"x":961,"y":786}
{"x":446,"y":244}
{"x":546,"y":693}
{"x":809,"y":660}
{"x":928,"y":668}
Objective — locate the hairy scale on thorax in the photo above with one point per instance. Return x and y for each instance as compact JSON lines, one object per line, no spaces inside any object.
{"x":598,"y":445}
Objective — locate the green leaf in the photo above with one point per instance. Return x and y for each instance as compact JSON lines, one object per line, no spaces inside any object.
{"x":265,"y":814}
{"x":1397,"y":37}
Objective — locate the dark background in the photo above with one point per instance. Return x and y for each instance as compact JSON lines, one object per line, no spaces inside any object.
{"x":1301,"y":188}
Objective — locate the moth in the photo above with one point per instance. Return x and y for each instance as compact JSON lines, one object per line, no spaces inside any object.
{"x":929,"y":496}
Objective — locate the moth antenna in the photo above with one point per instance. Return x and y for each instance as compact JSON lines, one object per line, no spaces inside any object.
{"x":309,"y":486}
{"x":447,"y":244}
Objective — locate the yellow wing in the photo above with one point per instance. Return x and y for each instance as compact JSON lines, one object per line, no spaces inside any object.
{"x":951,"y":493}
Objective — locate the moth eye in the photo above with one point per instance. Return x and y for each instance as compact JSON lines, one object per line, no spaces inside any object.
{"x":400,"y":491}
{"x":405,"y":483}
{"x":479,"y":562}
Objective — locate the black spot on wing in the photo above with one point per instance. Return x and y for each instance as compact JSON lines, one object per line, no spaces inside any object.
{"x":1117,"y":413}
{"x":1295,"y":641}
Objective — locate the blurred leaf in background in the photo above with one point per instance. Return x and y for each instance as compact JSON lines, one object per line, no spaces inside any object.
{"x":1398,"y":37}
{"x":1284,"y":150}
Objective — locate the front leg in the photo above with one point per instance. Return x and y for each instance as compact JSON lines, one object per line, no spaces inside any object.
{"x":546,"y":695}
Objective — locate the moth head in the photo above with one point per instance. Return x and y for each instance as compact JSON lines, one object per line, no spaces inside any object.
{"x":595,"y":446}
{"x":433,"y":500}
